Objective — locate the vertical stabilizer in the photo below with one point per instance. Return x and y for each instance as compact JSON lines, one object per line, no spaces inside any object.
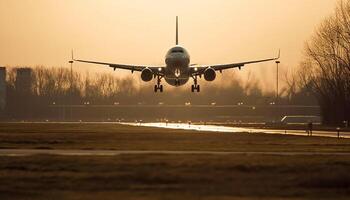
{"x":177,"y":31}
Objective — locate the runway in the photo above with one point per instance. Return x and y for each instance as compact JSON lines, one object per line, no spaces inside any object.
{"x":228,"y":129}
{"x":71,"y":152}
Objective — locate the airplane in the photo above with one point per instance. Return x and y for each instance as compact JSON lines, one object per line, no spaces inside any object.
{"x":177,"y":70}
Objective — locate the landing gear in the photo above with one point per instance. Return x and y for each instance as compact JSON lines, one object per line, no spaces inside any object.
{"x":195,"y":86}
{"x":158,"y":86}
{"x":177,"y":82}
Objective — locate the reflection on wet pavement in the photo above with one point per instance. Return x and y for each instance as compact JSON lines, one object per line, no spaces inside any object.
{"x":228,"y":129}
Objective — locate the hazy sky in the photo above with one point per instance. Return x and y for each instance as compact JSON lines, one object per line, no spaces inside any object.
{"x":42,"y":32}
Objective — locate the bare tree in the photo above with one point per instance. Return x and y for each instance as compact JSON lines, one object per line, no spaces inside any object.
{"x":326,"y":66}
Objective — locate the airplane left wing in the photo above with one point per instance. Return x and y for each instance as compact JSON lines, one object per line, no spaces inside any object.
{"x":132,"y":68}
{"x":200,"y":70}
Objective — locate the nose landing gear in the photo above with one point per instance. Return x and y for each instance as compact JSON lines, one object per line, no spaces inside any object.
{"x":177,"y":82}
{"x":195,"y":87}
{"x":158,"y":86}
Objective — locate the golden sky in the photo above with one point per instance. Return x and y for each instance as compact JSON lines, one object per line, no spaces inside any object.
{"x":42,"y":32}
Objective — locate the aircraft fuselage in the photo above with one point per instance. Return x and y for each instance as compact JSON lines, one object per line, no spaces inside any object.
{"x":177,"y":70}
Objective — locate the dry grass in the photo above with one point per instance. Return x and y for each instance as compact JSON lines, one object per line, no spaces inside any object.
{"x":174,"y":177}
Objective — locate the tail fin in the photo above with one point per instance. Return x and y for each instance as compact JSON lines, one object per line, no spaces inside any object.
{"x":177,"y":31}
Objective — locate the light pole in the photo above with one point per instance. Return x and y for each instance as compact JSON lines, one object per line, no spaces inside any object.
{"x":71,"y":87}
{"x":277,"y":93}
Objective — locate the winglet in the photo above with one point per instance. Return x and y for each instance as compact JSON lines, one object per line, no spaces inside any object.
{"x":72,"y":58}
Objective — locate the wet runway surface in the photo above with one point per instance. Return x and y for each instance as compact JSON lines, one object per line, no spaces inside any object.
{"x":69,"y":152}
{"x":228,"y":129}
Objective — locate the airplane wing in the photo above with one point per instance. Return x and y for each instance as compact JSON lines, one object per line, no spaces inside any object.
{"x":132,"y":68}
{"x":220,"y":67}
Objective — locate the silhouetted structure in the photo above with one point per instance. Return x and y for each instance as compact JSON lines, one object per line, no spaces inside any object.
{"x":23,"y":80}
{"x":2,"y":89}
{"x":23,"y":87}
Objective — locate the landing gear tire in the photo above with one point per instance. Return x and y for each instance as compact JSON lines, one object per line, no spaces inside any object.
{"x":158,"y":87}
{"x":195,"y":88}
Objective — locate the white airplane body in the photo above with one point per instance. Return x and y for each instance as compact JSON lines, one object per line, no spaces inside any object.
{"x":178,"y":69}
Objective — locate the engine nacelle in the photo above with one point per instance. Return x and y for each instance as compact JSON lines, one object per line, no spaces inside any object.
{"x":209,"y":74}
{"x":146,"y":75}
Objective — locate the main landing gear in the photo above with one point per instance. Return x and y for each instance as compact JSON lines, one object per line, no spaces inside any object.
{"x":158,"y":86}
{"x":195,"y":87}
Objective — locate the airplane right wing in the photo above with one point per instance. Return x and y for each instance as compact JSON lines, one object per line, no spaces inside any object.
{"x":200,"y":70}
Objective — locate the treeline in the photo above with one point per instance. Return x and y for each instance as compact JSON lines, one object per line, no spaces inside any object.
{"x":59,"y":85}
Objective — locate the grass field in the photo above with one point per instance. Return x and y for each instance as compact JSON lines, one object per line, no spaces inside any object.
{"x":120,"y":137}
{"x":169,"y":176}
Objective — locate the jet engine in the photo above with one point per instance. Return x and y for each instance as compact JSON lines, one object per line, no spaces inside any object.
{"x":209,"y":74}
{"x":146,"y":75}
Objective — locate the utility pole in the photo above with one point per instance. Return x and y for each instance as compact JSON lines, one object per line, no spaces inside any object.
{"x":277,"y":91}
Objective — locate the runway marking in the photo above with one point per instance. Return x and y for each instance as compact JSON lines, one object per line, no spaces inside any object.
{"x":68,"y":152}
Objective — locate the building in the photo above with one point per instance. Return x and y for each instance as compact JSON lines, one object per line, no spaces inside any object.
{"x":23,"y":81}
{"x":23,"y":93}
{"x":2,"y":89}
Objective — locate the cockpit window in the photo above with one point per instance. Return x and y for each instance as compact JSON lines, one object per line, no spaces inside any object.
{"x":177,"y":51}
